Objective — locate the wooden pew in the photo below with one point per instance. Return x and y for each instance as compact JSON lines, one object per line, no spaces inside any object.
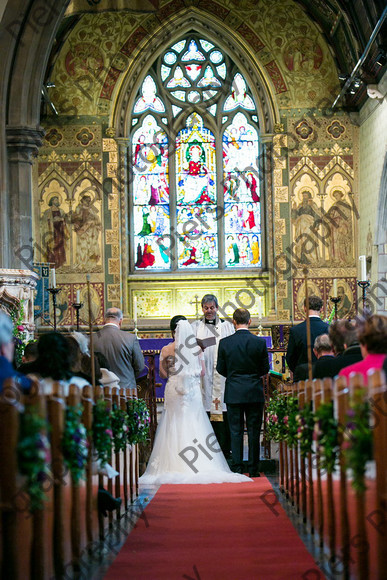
{"x":56,"y":406}
{"x":309,"y":400}
{"x":317,"y":400}
{"x":327,"y":390}
{"x":356,"y":389}
{"x":341,"y":399}
{"x":9,"y":431}
{"x":378,"y":394}
{"x":87,"y":418}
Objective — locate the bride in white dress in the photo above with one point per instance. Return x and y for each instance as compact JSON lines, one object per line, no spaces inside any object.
{"x":185,"y":449}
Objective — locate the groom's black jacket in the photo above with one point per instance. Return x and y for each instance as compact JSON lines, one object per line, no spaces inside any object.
{"x":243,"y":360}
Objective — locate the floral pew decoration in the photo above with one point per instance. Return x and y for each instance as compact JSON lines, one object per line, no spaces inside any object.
{"x":74,"y":443}
{"x":34,"y":456}
{"x":102,"y":432}
{"x":138,"y":421}
{"x":357,"y":435}
{"x":120,"y":429}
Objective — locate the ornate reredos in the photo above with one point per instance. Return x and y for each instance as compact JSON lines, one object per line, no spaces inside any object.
{"x":191,"y":20}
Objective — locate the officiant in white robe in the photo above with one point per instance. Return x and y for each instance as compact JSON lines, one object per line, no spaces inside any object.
{"x":208,"y":331}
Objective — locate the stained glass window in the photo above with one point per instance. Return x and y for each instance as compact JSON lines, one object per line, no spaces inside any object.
{"x":151,"y":221}
{"x":207,"y":213}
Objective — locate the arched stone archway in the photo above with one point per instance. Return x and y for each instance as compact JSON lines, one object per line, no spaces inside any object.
{"x":228,"y":40}
{"x":28,"y":32}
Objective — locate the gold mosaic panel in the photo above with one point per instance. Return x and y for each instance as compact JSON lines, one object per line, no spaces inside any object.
{"x":154,"y":303}
{"x":244,"y":298}
{"x":114,"y":266}
{"x":113,"y":292}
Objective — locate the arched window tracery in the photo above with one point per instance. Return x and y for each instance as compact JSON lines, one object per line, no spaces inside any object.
{"x":195,"y":189}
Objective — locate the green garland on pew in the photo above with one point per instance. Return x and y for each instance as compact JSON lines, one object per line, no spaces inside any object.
{"x":74,"y":442}
{"x":277,"y":417}
{"x":138,"y":420}
{"x":291,"y":422}
{"x":326,"y":433}
{"x":34,"y":456}
{"x":102,"y":431}
{"x":305,"y":429}
{"x":358,"y":442}
{"x":120,"y":429}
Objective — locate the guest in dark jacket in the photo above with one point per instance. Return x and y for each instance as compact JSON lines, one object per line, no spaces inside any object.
{"x":345,"y":341}
{"x":297,"y":352}
{"x":323,"y":351}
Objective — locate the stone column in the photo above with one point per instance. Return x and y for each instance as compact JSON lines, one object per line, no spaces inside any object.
{"x":123,"y":178}
{"x":266,"y":167}
{"x":16,"y":287}
{"x":22,"y":144}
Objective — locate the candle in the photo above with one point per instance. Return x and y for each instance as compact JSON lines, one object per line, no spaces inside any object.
{"x":53,"y":278}
{"x":281,"y":332}
{"x":363,"y":269}
{"x":135,"y":310}
{"x":334,"y":288}
{"x":78,"y":300}
{"x":260,"y":307}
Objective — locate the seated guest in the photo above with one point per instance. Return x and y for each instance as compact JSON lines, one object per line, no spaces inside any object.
{"x":324,"y":354}
{"x":323,"y":350}
{"x":82,"y":340}
{"x":76,"y":360}
{"x":86,"y":369}
{"x":108,"y":378}
{"x":344,"y":338}
{"x":373,"y":343}
{"x":7,"y":347}
{"x":54,"y":363}
{"x":30,"y":352}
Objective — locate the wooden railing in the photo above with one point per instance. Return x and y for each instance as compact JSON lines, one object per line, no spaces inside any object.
{"x":341,"y":517}
{"x":49,"y":542}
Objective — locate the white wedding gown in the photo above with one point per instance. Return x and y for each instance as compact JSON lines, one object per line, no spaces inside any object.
{"x":186,"y":449}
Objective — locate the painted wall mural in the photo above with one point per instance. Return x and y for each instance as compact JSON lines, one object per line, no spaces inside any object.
{"x":69,"y":215}
{"x":291,"y":51}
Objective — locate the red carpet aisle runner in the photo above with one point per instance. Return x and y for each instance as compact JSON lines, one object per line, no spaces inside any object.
{"x":228,"y":531}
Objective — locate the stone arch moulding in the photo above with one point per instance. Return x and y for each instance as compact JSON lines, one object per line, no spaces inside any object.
{"x":27,"y":46}
{"x":260,"y":84}
{"x":381,"y":243}
{"x":381,"y":225}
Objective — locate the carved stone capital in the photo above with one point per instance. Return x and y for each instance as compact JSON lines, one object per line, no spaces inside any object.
{"x":23,"y":143}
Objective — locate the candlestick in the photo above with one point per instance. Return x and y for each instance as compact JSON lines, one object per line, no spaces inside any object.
{"x":77,"y":306}
{"x":335,"y":300}
{"x":54,"y":292}
{"x":364,"y":284}
{"x":53,"y":278}
{"x":334,"y":288}
{"x":363,"y":268}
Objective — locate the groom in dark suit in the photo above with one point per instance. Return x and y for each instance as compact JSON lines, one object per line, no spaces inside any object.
{"x":243,"y":360}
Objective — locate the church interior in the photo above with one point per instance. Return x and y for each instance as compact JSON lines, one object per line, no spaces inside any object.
{"x":153,"y":152}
